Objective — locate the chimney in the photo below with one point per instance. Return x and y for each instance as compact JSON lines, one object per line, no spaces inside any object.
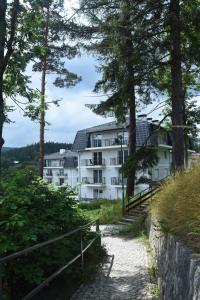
{"x":62,"y":151}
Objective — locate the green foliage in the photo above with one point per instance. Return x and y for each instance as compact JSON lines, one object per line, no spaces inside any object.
{"x":108,"y":211}
{"x":29,"y":154}
{"x":176,"y":207}
{"x":32,"y":212}
{"x":144,"y":158}
{"x":132,"y":230}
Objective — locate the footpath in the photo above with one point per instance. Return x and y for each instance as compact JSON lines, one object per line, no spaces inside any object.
{"x":124,"y":276}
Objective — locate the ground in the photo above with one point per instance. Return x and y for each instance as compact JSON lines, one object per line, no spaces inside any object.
{"x":124,"y":276}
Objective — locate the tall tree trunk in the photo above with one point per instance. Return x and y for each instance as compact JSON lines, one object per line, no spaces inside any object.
{"x":177,"y":87}
{"x":3,"y":6}
{"x":42,"y":120}
{"x":132,"y":143}
{"x":42,"y":93}
{"x":129,"y":84}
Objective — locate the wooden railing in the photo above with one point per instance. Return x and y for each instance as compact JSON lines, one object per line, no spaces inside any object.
{"x":143,"y":196}
{"x":9,"y":258}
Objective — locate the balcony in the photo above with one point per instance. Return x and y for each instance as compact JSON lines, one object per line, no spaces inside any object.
{"x":91,"y":163}
{"x":62,"y":175}
{"x":109,"y":143}
{"x":118,"y":181}
{"x":48,"y":175}
{"x":94,"y":181}
{"x":116,"y":161}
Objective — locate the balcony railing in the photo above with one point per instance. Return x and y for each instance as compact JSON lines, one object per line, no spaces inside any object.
{"x":48,"y":175}
{"x":118,"y":181}
{"x":108,"y":143}
{"x":90,"y":180}
{"x":61,"y":175}
{"x":92,"y":162}
{"x":114,"y":161}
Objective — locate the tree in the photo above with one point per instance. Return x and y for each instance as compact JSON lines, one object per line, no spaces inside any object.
{"x":51,"y":50}
{"x":32,"y":212}
{"x":18,"y":30}
{"x":176,"y":86}
{"x":125,"y":61}
{"x":6,"y":50}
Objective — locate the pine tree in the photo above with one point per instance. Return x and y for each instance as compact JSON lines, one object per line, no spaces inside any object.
{"x":125,"y":61}
{"x":51,"y":51}
{"x":18,"y":26}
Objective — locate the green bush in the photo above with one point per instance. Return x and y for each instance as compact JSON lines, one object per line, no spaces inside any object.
{"x":30,"y":212}
{"x":177,"y":206}
{"x":108,"y":211}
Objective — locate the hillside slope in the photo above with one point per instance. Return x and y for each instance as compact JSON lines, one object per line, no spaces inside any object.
{"x":29,"y":154}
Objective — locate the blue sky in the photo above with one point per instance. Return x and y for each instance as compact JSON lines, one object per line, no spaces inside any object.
{"x":65,"y":120}
{"x":72,"y":115}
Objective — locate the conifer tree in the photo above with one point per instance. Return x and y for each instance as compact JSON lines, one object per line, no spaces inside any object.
{"x":51,"y":51}
{"x":18,"y":27}
{"x":125,"y":61}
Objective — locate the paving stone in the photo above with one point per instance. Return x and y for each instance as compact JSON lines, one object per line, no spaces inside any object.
{"x":128,"y":279}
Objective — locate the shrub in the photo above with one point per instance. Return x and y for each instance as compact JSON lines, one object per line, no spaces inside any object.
{"x":30,"y":212}
{"x":108,"y":211}
{"x":177,"y":206}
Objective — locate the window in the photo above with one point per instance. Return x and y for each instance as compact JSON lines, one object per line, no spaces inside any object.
{"x":49,"y":180}
{"x":61,"y":163}
{"x":98,"y":194}
{"x":97,"y":176}
{"x":61,"y":181}
{"x":61,"y":172}
{"x":48,"y":162}
{"x":122,"y":156}
{"x":49,"y":172}
{"x":97,"y":140}
{"x":165,"y":154}
{"x":97,"y":158}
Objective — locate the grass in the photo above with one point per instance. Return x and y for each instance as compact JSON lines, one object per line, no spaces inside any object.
{"x":177,"y":206}
{"x":108,"y":211}
{"x":132,"y":230}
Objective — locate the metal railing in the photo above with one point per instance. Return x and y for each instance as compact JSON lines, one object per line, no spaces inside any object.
{"x":118,"y":181}
{"x":93,"y":162}
{"x":108,"y":142}
{"x":23,"y":252}
{"x":115,"y":161}
{"x":90,"y":180}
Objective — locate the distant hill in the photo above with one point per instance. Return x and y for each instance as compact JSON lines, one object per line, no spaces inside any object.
{"x":5,"y":149}
{"x":29,"y":154}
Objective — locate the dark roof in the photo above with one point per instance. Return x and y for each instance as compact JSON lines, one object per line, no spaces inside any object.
{"x":58,"y":155}
{"x":143,"y":131}
{"x":80,"y":141}
{"x":70,"y":158}
{"x":106,"y":127}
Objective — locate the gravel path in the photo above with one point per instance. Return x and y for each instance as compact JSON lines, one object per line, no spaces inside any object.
{"x":124,"y":276}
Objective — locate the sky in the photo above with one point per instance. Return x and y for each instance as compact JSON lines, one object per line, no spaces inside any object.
{"x":71,"y":116}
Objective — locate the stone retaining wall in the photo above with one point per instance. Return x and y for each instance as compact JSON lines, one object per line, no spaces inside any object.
{"x":178,"y":267}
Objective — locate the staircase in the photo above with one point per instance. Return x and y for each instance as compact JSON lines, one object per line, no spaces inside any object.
{"x":137,"y":208}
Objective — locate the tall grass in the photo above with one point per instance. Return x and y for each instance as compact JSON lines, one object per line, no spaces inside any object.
{"x":177,"y":206}
{"x":108,"y":211}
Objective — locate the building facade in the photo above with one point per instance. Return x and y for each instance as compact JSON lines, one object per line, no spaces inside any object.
{"x":61,"y":168}
{"x":103,"y":149}
{"x":98,"y":154}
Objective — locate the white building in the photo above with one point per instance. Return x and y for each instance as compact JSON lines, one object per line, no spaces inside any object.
{"x":61,"y":168}
{"x":98,"y":154}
